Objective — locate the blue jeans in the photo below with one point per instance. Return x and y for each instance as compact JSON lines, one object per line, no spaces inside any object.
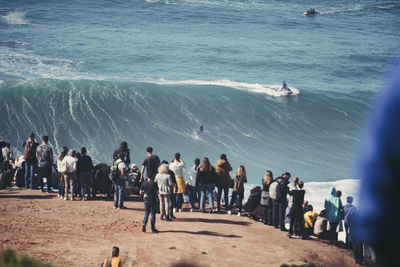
{"x":226,"y":199}
{"x":191,"y":195}
{"x":179,"y":200}
{"x":119,"y":195}
{"x":150,"y":206}
{"x":29,"y":169}
{"x":206,"y":189}
{"x":84,"y":179}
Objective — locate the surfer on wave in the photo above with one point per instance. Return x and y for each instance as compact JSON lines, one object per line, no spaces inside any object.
{"x":201,"y":130}
{"x":286,"y":89}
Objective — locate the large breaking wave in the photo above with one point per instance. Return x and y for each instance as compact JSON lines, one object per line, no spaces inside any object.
{"x":313,"y":136}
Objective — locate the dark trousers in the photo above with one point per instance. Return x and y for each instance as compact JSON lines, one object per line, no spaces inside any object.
{"x":348,"y":241}
{"x":233,"y":199}
{"x":357,"y":247}
{"x":296,"y":218}
{"x":226,"y":199}
{"x":179,"y":200}
{"x":308,"y":231}
{"x":44,"y":172}
{"x":333,"y":235}
{"x":150,"y":206}
{"x":267,"y":215}
{"x":275,"y":213}
{"x":173,"y":204}
{"x":282,"y":214}
{"x":84,"y":180}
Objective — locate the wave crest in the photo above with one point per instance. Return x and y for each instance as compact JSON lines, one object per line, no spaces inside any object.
{"x":267,"y":89}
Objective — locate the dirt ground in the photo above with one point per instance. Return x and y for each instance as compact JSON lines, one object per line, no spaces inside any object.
{"x":76,"y":233}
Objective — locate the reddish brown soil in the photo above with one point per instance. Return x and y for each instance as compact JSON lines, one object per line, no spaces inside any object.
{"x":78,"y":233}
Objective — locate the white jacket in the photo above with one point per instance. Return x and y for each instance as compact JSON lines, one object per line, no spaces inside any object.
{"x":193,"y":175}
{"x":71,"y":163}
{"x":178,"y":168}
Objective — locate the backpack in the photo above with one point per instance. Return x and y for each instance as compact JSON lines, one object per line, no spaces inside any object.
{"x":114,"y":173}
{"x":274,"y":190}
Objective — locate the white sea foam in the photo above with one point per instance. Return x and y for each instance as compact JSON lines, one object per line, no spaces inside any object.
{"x":267,"y":89}
{"x":26,"y":64}
{"x":15,"y":18}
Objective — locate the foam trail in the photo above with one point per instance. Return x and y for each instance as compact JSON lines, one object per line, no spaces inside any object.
{"x":267,"y":89}
{"x":15,"y":18}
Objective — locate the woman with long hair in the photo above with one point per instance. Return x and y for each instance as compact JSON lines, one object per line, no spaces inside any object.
{"x":266,"y":201}
{"x":206,"y":179}
{"x":238,"y":187}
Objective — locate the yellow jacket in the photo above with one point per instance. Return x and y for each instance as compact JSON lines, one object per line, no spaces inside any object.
{"x":309,"y":219}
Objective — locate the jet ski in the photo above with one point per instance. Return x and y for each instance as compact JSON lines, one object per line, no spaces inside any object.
{"x":311,"y":11}
{"x":286,"y":90}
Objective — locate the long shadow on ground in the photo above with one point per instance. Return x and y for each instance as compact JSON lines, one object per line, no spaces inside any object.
{"x":29,"y":196}
{"x":201,"y":233}
{"x":204,"y":220}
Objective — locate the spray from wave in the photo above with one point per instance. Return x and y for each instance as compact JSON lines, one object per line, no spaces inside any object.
{"x":267,"y":89}
{"x":15,"y":18}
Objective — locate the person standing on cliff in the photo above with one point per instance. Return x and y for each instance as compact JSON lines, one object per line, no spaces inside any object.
{"x":149,"y":190}
{"x":222,"y":169}
{"x":124,"y":150}
{"x":150,"y":164}
{"x":30,"y":147}
{"x":44,"y":155}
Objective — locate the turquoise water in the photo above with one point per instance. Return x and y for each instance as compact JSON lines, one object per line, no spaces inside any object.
{"x":96,"y":73}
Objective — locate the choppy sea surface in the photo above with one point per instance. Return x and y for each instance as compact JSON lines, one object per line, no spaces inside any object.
{"x":95,"y":73}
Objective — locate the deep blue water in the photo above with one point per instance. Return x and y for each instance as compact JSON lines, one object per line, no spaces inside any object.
{"x":96,"y":73}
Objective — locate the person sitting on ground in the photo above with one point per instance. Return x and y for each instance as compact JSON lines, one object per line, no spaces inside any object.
{"x":296,"y":212}
{"x":309,"y":220}
{"x":134,"y":175}
{"x":321,"y":226}
{"x":164,"y":183}
{"x":348,"y":209}
{"x":266,"y":200}
{"x":178,"y":167}
{"x":238,"y":188}
{"x":115,"y":260}
{"x":149,"y":190}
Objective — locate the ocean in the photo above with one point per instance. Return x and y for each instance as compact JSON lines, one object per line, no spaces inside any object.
{"x":96,"y":73}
